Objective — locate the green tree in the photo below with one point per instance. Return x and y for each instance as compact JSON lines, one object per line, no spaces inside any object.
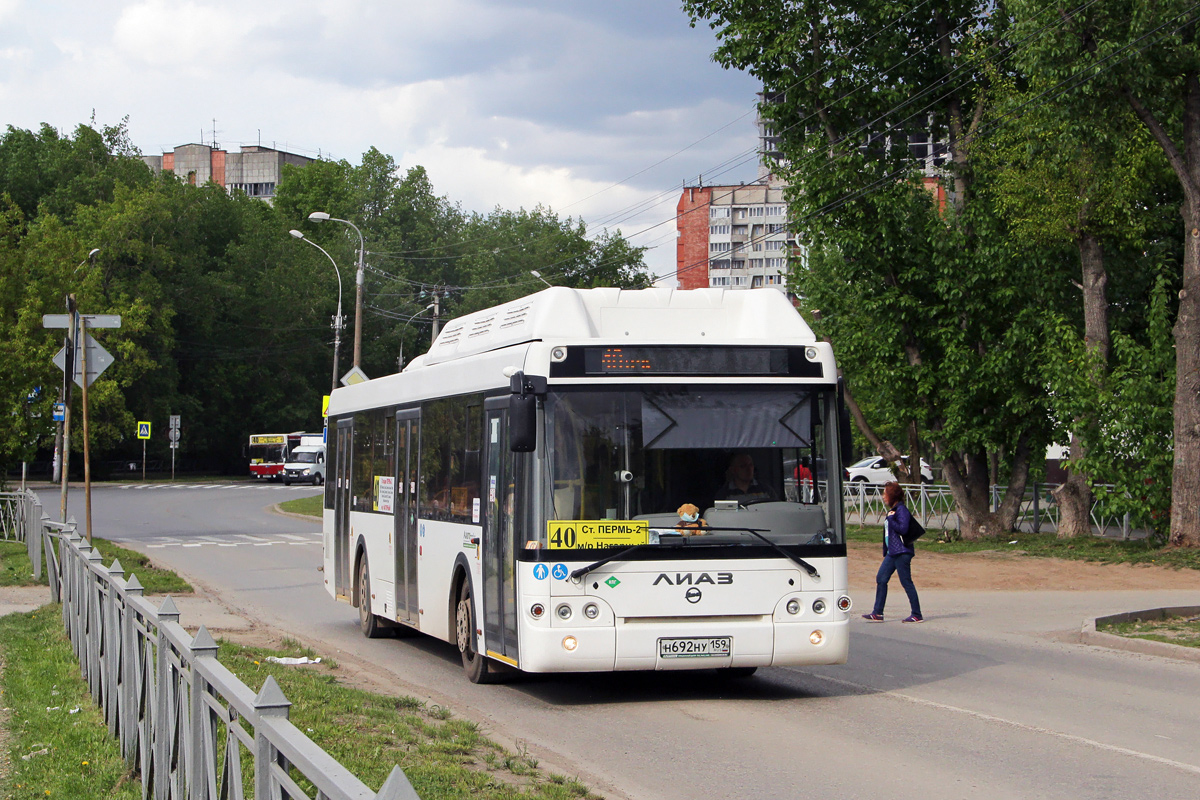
{"x":1145,"y":56}
{"x":931,"y":309}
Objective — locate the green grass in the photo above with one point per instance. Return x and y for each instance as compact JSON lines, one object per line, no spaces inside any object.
{"x":70,"y":755}
{"x":312,"y":506}
{"x":1042,"y":545}
{"x":155,"y":580}
{"x":15,"y":569}
{"x":444,"y":757}
{"x":1173,"y":630}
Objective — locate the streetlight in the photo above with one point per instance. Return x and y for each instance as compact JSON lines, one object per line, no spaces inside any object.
{"x":538,"y":275}
{"x":400,"y":360}
{"x":321,"y":216}
{"x":338,"y":322}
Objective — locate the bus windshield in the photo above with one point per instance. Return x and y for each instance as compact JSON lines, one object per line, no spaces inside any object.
{"x":745,"y":457}
{"x":266,"y":453}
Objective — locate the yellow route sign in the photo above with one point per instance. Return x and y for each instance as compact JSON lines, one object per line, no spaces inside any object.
{"x":589,"y":534}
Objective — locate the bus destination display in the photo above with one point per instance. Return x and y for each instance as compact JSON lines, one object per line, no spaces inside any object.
{"x":686,"y":361}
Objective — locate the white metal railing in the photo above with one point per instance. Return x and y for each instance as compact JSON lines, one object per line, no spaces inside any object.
{"x":189,"y":726}
{"x":934,"y":506}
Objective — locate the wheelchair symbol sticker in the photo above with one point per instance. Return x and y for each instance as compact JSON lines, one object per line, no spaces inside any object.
{"x":540,"y":571}
{"x":560,"y":572}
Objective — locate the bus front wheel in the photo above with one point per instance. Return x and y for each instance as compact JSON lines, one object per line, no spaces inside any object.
{"x":370,"y":624}
{"x":477,"y":666}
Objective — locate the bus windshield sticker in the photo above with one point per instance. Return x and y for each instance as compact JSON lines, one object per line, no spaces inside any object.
{"x":592,"y":534}
{"x":541,"y":571}
{"x":559,"y":571}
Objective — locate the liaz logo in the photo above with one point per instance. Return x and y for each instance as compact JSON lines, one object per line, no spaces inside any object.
{"x":687,"y":579}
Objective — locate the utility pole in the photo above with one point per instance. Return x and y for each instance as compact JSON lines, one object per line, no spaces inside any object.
{"x":436,"y":310}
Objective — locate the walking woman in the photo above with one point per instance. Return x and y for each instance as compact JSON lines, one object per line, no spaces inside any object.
{"x":898,"y":554}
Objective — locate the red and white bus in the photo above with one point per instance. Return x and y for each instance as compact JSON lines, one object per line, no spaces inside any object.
{"x":269,"y":451}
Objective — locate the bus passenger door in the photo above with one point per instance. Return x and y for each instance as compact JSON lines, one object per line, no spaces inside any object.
{"x":499,"y":577}
{"x":341,"y":509}
{"x":408,"y":425}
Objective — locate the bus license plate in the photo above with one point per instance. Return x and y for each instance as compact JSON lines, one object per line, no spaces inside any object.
{"x":697,"y":647}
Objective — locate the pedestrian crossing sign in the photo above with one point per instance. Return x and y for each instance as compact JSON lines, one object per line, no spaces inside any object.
{"x":143,"y":430}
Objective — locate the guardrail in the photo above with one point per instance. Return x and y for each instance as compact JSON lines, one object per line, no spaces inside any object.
{"x":189,"y":726}
{"x":934,"y":506}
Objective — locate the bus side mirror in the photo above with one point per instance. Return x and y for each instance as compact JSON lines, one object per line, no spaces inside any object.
{"x":522,"y":423}
{"x":522,"y":411}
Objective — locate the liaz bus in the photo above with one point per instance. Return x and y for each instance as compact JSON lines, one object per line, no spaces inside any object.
{"x":517,"y":490}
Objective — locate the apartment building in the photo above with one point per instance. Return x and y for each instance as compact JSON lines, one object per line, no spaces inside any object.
{"x":732,"y":237}
{"x":254,"y":170}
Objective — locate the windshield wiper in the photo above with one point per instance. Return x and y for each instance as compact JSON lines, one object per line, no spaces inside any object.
{"x":809,"y":568}
{"x":690,"y":541}
{"x":579,"y":573}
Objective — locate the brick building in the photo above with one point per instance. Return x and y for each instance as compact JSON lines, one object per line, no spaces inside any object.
{"x":255,"y":170}
{"x":732,"y":237}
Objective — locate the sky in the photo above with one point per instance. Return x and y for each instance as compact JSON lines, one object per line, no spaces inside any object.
{"x":597,"y":109}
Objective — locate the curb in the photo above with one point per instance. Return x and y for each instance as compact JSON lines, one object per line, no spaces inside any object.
{"x":275,"y":509}
{"x":1089,"y":635}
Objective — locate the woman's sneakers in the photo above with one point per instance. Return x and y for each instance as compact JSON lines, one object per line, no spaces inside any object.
{"x":913,"y":618}
{"x":873,"y":617}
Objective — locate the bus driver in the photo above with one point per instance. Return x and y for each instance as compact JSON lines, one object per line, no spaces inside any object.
{"x":740,"y":484}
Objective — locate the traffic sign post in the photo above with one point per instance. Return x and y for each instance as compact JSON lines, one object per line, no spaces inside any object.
{"x":143,"y":433}
{"x":173,"y":435}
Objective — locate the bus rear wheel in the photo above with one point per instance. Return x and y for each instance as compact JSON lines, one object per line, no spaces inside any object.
{"x":478,"y":667}
{"x":370,"y":624}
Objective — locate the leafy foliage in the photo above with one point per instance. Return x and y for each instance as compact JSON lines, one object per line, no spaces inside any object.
{"x":225,"y":317}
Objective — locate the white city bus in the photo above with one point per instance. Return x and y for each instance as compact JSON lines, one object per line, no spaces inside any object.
{"x":516,"y":490}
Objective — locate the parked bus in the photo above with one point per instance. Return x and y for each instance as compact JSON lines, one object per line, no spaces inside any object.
{"x":517,"y":490}
{"x":268,"y":452}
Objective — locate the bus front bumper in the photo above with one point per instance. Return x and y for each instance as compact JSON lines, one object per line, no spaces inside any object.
{"x":637,"y":644}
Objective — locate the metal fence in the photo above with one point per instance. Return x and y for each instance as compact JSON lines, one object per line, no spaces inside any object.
{"x":934,"y":506}
{"x":192,"y":729}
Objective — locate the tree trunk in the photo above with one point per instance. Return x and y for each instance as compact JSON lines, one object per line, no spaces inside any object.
{"x":1074,"y":497}
{"x":967,"y":476}
{"x":1185,"y":163}
{"x":1185,"y":477}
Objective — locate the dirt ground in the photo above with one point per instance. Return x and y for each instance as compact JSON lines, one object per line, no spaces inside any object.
{"x":1013,"y":571}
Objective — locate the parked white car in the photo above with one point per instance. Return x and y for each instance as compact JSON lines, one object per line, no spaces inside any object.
{"x":875,"y":470}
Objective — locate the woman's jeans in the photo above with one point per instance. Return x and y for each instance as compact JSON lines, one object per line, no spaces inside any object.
{"x":902,"y":564}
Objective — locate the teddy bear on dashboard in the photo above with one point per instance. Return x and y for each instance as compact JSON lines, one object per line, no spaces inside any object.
{"x":690,"y":523}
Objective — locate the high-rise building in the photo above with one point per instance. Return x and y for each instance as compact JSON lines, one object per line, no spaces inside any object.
{"x":255,"y":170}
{"x":732,"y":237}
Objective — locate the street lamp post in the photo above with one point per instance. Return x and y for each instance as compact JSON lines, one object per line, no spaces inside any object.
{"x":321,"y":216}
{"x":538,"y":275}
{"x":338,"y":322}
{"x":400,"y":360}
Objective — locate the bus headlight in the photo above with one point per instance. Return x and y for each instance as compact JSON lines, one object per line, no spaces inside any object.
{"x":570,"y":643}
{"x":558,"y":355}
{"x":816,"y":637}
{"x":793,"y":606}
{"x":537,"y":610}
{"x":819,"y":606}
{"x":844,"y":603}
{"x":810,"y":353}
{"x":563,"y":611}
{"x":591,"y":611}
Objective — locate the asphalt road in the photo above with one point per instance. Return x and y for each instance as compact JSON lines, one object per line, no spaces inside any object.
{"x":989,"y":698}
